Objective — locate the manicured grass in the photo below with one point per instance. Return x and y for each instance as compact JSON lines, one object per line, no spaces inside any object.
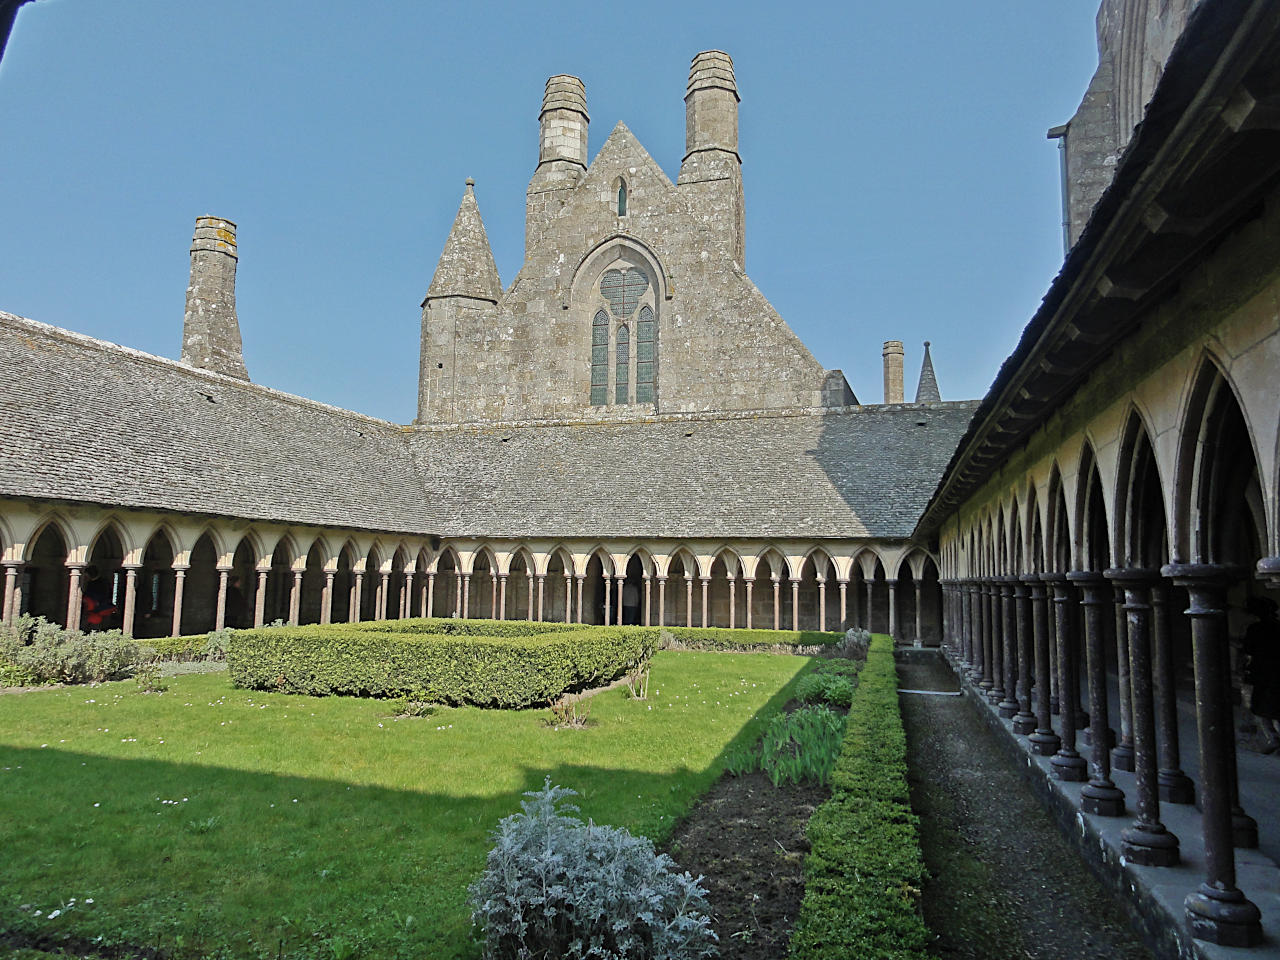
{"x":210,"y":821}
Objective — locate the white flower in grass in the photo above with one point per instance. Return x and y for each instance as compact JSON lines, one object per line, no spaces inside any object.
{"x":53,"y":914}
{"x":88,"y":899}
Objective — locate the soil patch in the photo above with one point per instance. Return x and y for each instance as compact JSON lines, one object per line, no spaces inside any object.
{"x":1002,"y":878}
{"x":746,"y":837}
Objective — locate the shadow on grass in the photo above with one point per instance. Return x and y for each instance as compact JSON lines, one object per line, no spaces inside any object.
{"x":185,"y":860}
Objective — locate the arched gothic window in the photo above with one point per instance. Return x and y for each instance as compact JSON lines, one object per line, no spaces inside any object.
{"x":646,"y":357}
{"x":623,"y":365}
{"x":622,"y":198}
{"x":600,"y":359}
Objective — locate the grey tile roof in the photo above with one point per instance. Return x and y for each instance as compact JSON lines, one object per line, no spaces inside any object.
{"x":85,"y":420}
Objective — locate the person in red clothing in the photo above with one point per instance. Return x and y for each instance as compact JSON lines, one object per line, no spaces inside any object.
{"x":97,"y":605}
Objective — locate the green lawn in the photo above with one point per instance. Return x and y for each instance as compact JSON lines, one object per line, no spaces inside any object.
{"x":213,"y":821}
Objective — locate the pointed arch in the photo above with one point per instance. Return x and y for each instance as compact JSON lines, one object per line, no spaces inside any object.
{"x":1093,"y":542}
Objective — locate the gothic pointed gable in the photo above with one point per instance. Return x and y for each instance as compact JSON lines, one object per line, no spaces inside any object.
{"x":927,"y":391}
{"x":466,"y":267}
{"x":624,"y":156}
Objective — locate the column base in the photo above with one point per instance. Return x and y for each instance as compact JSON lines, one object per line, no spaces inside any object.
{"x":1244,"y":831}
{"x":1224,"y":917}
{"x":1069,"y":766}
{"x":995,"y":696}
{"x":1086,"y":736}
{"x":1008,"y":709}
{"x":1102,"y":798}
{"x":1044,"y":743}
{"x":1024,"y":724}
{"x":1149,"y":847}
{"x":1176,"y":787}
{"x":1122,"y":757}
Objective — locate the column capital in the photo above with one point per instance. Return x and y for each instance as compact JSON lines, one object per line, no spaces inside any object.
{"x":128,"y":567}
{"x":1269,"y":567}
{"x":76,"y":565}
{"x":13,"y":564}
{"x":181,"y":567}
{"x":1202,"y":574}
{"x":224,"y":568}
{"x":1090,"y":583}
{"x":1136,"y":576}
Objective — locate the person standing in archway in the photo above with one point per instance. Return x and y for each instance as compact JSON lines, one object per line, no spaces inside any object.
{"x":1262,"y":671}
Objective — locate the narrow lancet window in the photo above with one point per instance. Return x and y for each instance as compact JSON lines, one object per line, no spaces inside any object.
{"x":624,"y":366}
{"x":622,"y":199}
{"x":646,"y":357}
{"x":600,"y":359}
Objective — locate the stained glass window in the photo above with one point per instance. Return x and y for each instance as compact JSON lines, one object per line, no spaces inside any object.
{"x":646,"y":357}
{"x":624,"y":366}
{"x":622,"y":199}
{"x":600,"y":359}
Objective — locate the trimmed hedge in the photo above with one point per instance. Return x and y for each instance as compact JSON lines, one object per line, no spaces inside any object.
{"x":190,"y":647}
{"x":864,"y":870}
{"x":456,"y":627}
{"x":508,"y":672}
{"x":750,"y":641}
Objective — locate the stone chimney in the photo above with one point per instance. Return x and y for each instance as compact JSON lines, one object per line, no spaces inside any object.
{"x":210,"y":330}
{"x":563,"y":126}
{"x":893,"y":391}
{"x":711,"y":174}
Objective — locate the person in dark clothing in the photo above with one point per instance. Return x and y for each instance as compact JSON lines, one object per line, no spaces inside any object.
{"x":237,"y":608}
{"x":1262,"y":669}
{"x":96,"y":602}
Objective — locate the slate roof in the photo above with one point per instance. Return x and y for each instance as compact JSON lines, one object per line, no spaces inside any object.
{"x":89,"y":421}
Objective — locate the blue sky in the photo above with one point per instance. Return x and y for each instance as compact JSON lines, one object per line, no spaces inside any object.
{"x":898,"y":180}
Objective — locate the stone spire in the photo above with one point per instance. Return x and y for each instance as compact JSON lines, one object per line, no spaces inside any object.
{"x":466,"y":267}
{"x":927,"y":391}
{"x":210,"y":330}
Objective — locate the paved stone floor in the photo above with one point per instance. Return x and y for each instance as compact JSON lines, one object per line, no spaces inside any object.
{"x":1004,"y":882}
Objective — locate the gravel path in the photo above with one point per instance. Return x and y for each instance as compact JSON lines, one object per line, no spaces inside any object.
{"x":1004,"y":881}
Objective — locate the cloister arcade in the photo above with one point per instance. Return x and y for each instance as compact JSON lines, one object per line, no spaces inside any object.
{"x":1114,"y":571}
{"x":172,"y":576}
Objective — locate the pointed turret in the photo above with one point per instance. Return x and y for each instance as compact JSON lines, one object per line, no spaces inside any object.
{"x":466,"y":267}
{"x":927,"y":391}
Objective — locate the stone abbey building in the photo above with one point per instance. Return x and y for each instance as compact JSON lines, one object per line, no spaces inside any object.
{"x":628,"y":432}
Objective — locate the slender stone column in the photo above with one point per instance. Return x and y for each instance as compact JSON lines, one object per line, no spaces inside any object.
{"x":706,"y":584}
{"x":1008,"y":706}
{"x":844,"y":605}
{"x":1218,"y":911}
{"x":529,"y":603}
{"x":1147,"y":842}
{"x":749,"y":583}
{"x":326,"y":601}
{"x":648,"y":599}
{"x":1054,"y":671}
{"x":870,"y":587}
{"x":919,"y":638}
{"x":11,"y":571}
{"x":1175,"y":786}
{"x":73,"y":596}
{"x":542,"y":585}
{"x":179,"y":582}
{"x":822,"y":604}
{"x":431,"y":592}
{"x":502,"y":596}
{"x":967,"y":658}
{"x":688,"y":599}
{"x":608,"y":596}
{"x":130,"y":598}
{"x":995,"y":649}
{"x":260,"y":600}
{"x":893,"y":608}
{"x":1122,"y":757}
{"x":1044,"y":742}
{"x":568,"y":596}
{"x":662,"y":601}
{"x":983,"y":596}
{"x":406,"y":596}
{"x":220,"y":612}
{"x":621,"y":582}
{"x":579,"y":578}
{"x":733,"y":603}
{"x":1024,"y":721}
{"x":1067,"y":764}
{"x":460,"y":593}
{"x":795,"y":604}
{"x":295,"y":597}
{"x":1100,"y":796}
{"x":777,"y":603}
{"x":384,"y":592}
{"x":423,"y":593}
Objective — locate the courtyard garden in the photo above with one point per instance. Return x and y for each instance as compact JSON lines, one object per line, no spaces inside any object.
{"x":206,"y":819}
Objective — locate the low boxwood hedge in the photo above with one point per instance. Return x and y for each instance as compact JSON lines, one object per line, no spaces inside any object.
{"x":752,"y":641}
{"x":864,"y":870}
{"x":507,"y":672}
{"x":457,"y":627}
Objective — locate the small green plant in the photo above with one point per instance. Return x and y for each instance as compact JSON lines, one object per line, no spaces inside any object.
{"x":148,"y":678}
{"x":570,"y":712}
{"x":207,"y":825}
{"x":215,"y":646}
{"x":797,"y":746}
{"x":414,"y":704}
{"x":829,"y":688}
{"x":35,"y":651}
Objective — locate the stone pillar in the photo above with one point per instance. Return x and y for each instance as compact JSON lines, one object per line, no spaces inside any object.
{"x":529,"y":593}
{"x":844,"y":605}
{"x":919,"y":638}
{"x":1100,"y":796}
{"x":870,"y":591}
{"x":579,"y":578}
{"x":74,"y":599}
{"x":621,"y":582}
{"x":459,"y":593}
{"x":502,"y":596}
{"x":542,"y":585}
{"x":424,"y":593}
{"x":1122,"y":757}
{"x":384,"y":594}
{"x":260,"y":598}
{"x":608,"y":595}
{"x":822,"y":604}
{"x":993,"y":666}
{"x":795,"y":604}
{"x":1024,"y":721}
{"x":733,"y":602}
{"x":1147,"y":842}
{"x":130,"y":598}
{"x":777,"y":604}
{"x":1067,"y":764}
{"x":1044,"y":742}
{"x":1008,"y":707}
{"x":295,"y":598}
{"x":1218,"y":911}
{"x":220,"y":612}
{"x":1054,"y":671}
{"x":648,"y":599}
{"x":1175,"y":786}
{"x":493,"y":595}
{"x":568,"y":595}
{"x":11,"y":571}
{"x":466,"y":596}
{"x":662,"y":601}
{"x":326,"y":598}
{"x":179,"y":581}
{"x":706,"y":583}
{"x":893,"y":607}
{"x":688,"y":599}
{"x":406,"y":596}
{"x":969,"y":658}
{"x":748,"y":583}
